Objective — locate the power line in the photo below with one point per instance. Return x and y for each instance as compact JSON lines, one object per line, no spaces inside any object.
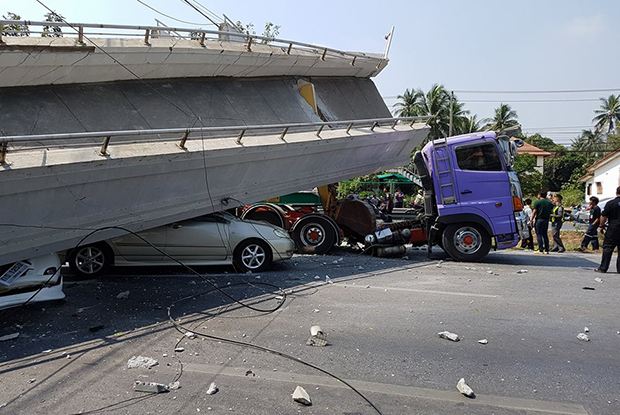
{"x":542,"y":91}
{"x":389,"y":97}
{"x":170,"y":17}
{"x":200,"y":11}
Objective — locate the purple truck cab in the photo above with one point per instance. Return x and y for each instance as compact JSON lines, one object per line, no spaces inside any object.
{"x":473,"y":198}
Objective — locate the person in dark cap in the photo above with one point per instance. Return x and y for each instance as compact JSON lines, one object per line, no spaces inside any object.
{"x":591,"y":235}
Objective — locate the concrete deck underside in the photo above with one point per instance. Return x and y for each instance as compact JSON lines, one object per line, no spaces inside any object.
{"x":143,"y":185}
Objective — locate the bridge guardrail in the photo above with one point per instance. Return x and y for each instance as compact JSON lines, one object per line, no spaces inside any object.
{"x":186,"y":133}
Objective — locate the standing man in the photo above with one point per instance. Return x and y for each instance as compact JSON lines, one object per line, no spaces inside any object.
{"x":528,"y":243}
{"x":400,"y":198}
{"x":557,"y":218}
{"x":611,"y":217}
{"x":593,"y":222}
{"x":388,"y":206}
{"x":540,"y":221}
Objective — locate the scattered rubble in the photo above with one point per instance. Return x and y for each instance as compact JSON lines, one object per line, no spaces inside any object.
{"x":586,"y":329}
{"x":141,"y":362}
{"x":179,"y":349}
{"x":213,"y":389}
{"x":465,"y":389}
{"x":150,"y":387}
{"x":300,"y":395}
{"x":597,"y":279}
{"x":123,"y":295}
{"x":317,"y":337}
{"x":522,"y":271}
{"x":583,"y":336}
{"x":316,"y":310}
{"x":33,"y":380}
{"x":483,"y":341}
{"x":190,"y":335}
{"x":9,"y":337}
{"x":449,"y":336}
{"x":328,"y":280}
{"x":174,"y":386}
{"x":249,"y":372}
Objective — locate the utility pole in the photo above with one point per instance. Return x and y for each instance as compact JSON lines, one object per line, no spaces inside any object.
{"x":451,"y":111}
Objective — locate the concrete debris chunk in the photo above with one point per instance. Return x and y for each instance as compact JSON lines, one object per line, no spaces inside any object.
{"x":123,"y":295}
{"x":179,"y":349}
{"x":141,"y":362}
{"x":328,"y":280}
{"x":489,"y":272}
{"x":301,"y":396}
{"x":465,"y":389}
{"x":316,"y":310}
{"x":449,"y":336}
{"x":317,"y":337}
{"x":584,"y":337}
{"x":212,"y":389}
{"x":150,"y":387}
{"x":522,"y":271}
{"x":33,"y":380}
{"x":483,"y":341}
{"x":9,"y":337}
{"x":597,"y":279}
{"x":174,"y":386}
{"x":190,"y":335}
{"x":586,"y":330}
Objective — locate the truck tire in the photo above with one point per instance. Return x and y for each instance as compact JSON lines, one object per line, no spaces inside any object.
{"x":314,"y":235}
{"x":467,"y":242}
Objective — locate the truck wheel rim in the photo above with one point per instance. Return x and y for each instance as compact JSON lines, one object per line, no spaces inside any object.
{"x":253,"y":256}
{"x":467,"y":240}
{"x":312,"y":234}
{"x":90,"y":260}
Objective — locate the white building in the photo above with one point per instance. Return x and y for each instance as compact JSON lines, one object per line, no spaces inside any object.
{"x":603,"y":177}
{"x":538,"y":153}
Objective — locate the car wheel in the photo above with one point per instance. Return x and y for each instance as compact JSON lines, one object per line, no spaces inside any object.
{"x":466,"y":242}
{"x":252,"y":255}
{"x":91,"y":260}
{"x":314,"y":235}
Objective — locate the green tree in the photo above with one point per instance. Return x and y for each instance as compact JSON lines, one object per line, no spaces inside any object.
{"x":408,"y":103}
{"x":608,"y":115}
{"x":53,"y":31}
{"x":564,"y":169}
{"x":504,"y":117}
{"x":544,"y":143}
{"x":271,"y":30}
{"x":14,"y":29}
{"x":529,"y":177}
{"x":590,"y":143}
{"x":468,"y":125}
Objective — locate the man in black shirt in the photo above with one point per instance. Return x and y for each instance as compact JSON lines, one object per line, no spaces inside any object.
{"x":611,"y":216}
{"x":593,"y":222}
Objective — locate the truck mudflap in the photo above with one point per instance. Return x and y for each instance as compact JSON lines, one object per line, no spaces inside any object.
{"x":522,"y":225}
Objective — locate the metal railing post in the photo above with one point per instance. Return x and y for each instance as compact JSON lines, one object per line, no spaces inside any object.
{"x":290,"y":46}
{"x":394,"y":125}
{"x":249,"y":45}
{"x":80,"y":34}
{"x":349,"y":128}
{"x":147,"y":33}
{"x":318,"y":133}
{"x":240,"y":136}
{"x":202,"y":39}
{"x":283,"y":133}
{"x":353,"y":61}
{"x":324,"y":53}
{"x":184,"y":140}
{"x":374,"y":125}
{"x":4,"y":148}
{"x":1,"y":41}
{"x":104,"y":147}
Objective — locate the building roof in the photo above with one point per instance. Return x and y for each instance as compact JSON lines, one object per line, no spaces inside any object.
{"x":530,"y":149}
{"x":603,"y":161}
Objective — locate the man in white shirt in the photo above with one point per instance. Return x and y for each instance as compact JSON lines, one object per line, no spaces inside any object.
{"x":528,"y":243}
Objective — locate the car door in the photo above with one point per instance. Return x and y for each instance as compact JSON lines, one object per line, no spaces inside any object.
{"x":132,"y":248}
{"x":483,"y":186}
{"x":201,"y":239}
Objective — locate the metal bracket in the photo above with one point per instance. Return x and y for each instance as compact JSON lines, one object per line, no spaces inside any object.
{"x":240,"y":136}
{"x":318,"y":133}
{"x":147,"y":34}
{"x":4,"y":148}
{"x":104,"y":147}
{"x":184,"y":140}
{"x":283,"y":134}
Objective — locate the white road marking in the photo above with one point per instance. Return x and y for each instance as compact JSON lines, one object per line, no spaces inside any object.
{"x":414,"y":290}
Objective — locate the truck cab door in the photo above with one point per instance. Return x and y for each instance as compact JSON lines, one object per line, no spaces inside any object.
{"x":483,"y":185}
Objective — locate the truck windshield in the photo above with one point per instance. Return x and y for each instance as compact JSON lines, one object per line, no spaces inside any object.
{"x":479,"y":157}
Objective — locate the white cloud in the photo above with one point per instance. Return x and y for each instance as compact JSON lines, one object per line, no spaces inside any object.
{"x":588,"y":26}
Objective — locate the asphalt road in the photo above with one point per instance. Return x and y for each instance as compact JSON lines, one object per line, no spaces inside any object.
{"x":382,"y":317}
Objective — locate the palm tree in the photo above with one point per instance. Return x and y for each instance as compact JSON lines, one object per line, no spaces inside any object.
{"x":409,"y":103}
{"x":608,"y":114}
{"x":591,"y":143}
{"x":468,"y":125}
{"x":504,"y":117}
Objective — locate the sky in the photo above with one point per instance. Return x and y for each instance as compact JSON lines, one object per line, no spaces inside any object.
{"x":476,"y":45}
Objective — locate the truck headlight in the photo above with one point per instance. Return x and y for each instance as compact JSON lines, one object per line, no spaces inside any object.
{"x":280,"y":233}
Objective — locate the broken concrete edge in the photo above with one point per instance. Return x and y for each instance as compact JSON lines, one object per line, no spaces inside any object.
{"x":449,"y":336}
{"x":141,"y":362}
{"x":301,"y":396}
{"x":462,"y":387}
{"x":213,"y":389}
{"x":150,"y":387}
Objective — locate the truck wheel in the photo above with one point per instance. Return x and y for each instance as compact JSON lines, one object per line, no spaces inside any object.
{"x":91,"y":260}
{"x":314,"y":235}
{"x":466,"y":242}
{"x":266,"y":216}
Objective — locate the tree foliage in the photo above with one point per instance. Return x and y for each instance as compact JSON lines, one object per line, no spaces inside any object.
{"x":529,"y":177}
{"x":14,"y":29}
{"x":52,"y":31}
{"x":504,"y":117}
{"x":271,"y":30}
{"x":608,"y":115}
